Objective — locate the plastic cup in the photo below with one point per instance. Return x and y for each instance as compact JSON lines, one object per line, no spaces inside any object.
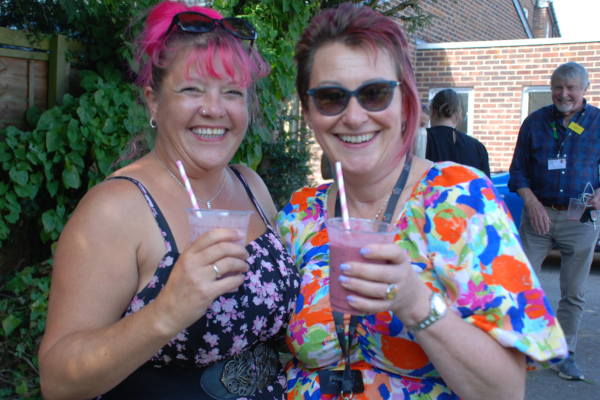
{"x":575,"y":210}
{"x":212,"y":219}
{"x":345,"y":245}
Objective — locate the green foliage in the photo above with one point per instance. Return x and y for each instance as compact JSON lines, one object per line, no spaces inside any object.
{"x":285,"y":168}
{"x":23,"y":304}
{"x":44,"y":175}
{"x":97,"y":24}
{"x":278,"y":24}
{"x":46,"y":172}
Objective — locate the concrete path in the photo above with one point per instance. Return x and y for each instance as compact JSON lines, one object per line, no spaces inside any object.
{"x":546,"y":384}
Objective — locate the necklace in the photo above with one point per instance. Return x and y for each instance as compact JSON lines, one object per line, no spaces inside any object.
{"x":183,"y":186}
{"x":381,"y":209}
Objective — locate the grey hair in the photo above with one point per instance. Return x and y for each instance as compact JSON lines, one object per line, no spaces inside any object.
{"x":571,"y":70}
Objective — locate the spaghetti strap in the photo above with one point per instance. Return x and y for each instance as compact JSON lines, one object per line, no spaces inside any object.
{"x":158,"y":215}
{"x":250,"y":194}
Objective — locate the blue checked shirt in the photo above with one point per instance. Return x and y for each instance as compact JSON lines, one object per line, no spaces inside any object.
{"x":536,"y":144}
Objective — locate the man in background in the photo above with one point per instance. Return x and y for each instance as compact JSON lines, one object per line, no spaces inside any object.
{"x":556,"y":157}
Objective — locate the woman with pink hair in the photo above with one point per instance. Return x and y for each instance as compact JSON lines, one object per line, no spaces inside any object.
{"x":137,"y":311}
{"x":452,"y":309}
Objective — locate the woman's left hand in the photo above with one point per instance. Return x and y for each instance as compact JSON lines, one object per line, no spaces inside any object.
{"x":410,"y":303}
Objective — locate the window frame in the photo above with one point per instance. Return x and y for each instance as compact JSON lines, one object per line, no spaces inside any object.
{"x":525,"y":98}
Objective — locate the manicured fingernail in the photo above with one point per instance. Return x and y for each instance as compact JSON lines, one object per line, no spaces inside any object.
{"x":364,"y":251}
{"x":350,"y":299}
{"x":241,"y":235}
{"x":343,"y":278}
{"x":344,"y":267}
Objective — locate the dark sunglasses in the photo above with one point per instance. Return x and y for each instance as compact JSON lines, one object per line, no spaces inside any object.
{"x":332,"y":100}
{"x":195,"y":22}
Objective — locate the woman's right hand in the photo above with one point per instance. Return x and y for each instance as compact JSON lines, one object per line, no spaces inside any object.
{"x":193,"y":285}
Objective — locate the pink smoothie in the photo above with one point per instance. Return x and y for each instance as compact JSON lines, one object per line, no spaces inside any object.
{"x":211,"y":219}
{"x":339,"y":254}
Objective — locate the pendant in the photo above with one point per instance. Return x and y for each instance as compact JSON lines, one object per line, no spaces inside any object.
{"x":208,"y":204}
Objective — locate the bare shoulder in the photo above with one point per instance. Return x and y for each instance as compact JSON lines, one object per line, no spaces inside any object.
{"x":95,"y":273}
{"x":259,"y":189}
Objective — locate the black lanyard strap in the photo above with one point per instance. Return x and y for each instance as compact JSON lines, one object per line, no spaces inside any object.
{"x":349,"y":379}
{"x":395,"y":196}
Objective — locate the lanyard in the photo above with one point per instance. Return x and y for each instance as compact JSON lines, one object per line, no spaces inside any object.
{"x":569,"y":131}
{"x":347,"y":380}
{"x":395,"y":196}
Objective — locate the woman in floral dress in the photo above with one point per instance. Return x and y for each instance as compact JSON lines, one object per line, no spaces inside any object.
{"x":455,"y":311}
{"x":137,"y":311}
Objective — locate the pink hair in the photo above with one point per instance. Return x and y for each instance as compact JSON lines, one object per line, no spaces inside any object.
{"x":157,"y":51}
{"x":353,"y":26}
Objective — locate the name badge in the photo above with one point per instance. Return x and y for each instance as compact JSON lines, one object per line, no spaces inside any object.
{"x":576,"y":128}
{"x":557,"y":163}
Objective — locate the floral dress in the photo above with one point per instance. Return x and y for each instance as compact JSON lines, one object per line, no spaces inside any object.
{"x":258,"y":312}
{"x":463,"y":243}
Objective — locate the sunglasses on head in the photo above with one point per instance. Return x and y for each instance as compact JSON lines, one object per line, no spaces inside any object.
{"x":332,"y":100}
{"x":195,"y":22}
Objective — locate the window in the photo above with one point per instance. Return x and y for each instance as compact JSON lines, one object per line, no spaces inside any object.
{"x":534,"y":98}
{"x":466,"y":99}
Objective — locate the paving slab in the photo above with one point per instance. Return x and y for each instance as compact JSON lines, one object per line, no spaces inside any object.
{"x":546,"y":384}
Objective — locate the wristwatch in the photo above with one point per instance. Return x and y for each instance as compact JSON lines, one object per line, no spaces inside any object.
{"x":438,"y":309}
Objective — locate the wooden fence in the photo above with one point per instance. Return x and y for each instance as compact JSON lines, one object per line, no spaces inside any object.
{"x":32,"y":74}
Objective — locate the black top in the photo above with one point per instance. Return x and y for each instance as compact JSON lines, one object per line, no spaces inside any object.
{"x":467,"y":150}
{"x":258,"y":312}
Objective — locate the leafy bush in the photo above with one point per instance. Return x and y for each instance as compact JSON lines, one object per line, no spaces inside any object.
{"x":285,"y":168}
{"x":47,"y":171}
{"x":44,"y":175}
{"x":24,"y":300}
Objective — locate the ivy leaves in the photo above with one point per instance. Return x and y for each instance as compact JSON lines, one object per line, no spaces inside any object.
{"x":72,"y":148}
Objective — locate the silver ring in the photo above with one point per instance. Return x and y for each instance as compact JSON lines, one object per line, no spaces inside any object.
{"x":391,"y":292}
{"x":204,"y":112}
{"x":217,"y":271}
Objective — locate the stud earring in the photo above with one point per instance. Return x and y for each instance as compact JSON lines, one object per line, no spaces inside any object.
{"x":403,"y":126}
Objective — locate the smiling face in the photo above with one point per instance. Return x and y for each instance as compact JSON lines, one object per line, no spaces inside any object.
{"x":567,"y":95}
{"x":362,"y":140}
{"x":207,"y":140}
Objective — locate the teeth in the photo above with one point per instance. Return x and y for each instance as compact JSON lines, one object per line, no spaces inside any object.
{"x":209,"y":133}
{"x":357,"y":138}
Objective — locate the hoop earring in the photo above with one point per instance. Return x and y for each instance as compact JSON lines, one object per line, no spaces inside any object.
{"x":153,"y":123}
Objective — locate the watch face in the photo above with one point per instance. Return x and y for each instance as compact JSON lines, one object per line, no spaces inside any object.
{"x":438,"y":304}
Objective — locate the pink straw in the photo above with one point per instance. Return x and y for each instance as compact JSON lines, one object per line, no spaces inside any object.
{"x":342,"y":190}
{"x":188,"y":186}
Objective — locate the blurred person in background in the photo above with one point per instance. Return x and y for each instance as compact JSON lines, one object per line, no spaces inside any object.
{"x":445,"y":142}
{"x":556,"y":158}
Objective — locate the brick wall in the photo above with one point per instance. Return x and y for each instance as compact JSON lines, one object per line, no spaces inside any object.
{"x":498,"y":71}
{"x":472,"y":20}
{"x":540,"y":23}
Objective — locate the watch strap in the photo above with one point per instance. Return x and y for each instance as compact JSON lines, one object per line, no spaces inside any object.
{"x":430,"y":320}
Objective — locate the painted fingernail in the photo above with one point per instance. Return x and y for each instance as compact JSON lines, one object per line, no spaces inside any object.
{"x":350,"y":299}
{"x":364,"y":251}
{"x":344,"y":267}
{"x":343,"y":278}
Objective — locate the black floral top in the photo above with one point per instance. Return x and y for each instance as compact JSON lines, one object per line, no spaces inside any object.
{"x":259,"y":311}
